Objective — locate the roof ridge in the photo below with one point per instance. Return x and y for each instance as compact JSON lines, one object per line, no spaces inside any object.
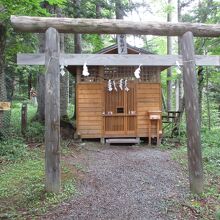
{"x":114,"y":46}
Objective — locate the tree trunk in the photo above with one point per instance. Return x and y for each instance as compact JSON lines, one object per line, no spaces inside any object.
{"x":40,"y":97}
{"x":181,"y":93}
{"x":207,"y":98}
{"x":64,"y":86}
{"x":119,"y":11}
{"x":64,"y":80}
{"x":169,"y":70}
{"x":177,"y":91}
{"x":41,"y":85}
{"x":78,"y":37}
{"x":64,"y":95}
{"x":164,"y":101}
{"x":29,"y":84}
{"x":78,"y":49}
{"x":98,"y":10}
{"x":121,"y":38}
{"x":200,"y":88}
{"x":78,"y":43}
{"x":24,"y":118}
{"x":3,"y":92}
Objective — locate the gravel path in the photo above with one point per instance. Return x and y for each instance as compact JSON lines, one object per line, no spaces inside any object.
{"x":125,"y":183}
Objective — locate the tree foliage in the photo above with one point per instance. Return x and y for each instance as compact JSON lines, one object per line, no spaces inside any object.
{"x":20,"y":42}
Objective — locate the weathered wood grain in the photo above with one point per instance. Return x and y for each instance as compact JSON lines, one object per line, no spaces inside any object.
{"x":192,"y":114}
{"x":89,"y":110}
{"x":52,"y":111}
{"x":148,"y":99}
{"x":112,"y":26}
{"x":117,"y":60}
{"x":30,"y":59}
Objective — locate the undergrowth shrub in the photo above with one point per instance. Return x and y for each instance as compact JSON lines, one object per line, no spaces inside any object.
{"x":210,"y":138}
{"x":35,"y":131}
{"x":13,"y":149}
{"x":211,"y":160}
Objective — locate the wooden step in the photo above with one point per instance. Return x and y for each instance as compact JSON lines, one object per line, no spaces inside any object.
{"x":123,"y":141}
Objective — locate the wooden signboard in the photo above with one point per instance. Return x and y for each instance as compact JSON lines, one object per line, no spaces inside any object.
{"x":4,"y":106}
{"x":122,"y":44}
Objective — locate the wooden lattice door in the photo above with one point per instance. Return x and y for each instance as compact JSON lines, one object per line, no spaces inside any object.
{"x":120,"y":112}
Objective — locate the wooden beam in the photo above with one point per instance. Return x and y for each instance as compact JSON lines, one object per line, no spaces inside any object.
{"x":192,"y":114}
{"x":112,"y":26}
{"x":117,"y":60}
{"x":52,"y":111}
{"x":30,"y":59}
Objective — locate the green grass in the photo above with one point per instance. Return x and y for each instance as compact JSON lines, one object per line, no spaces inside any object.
{"x":22,"y":189}
{"x":22,"y":186}
{"x":13,"y":149}
{"x":208,"y":203}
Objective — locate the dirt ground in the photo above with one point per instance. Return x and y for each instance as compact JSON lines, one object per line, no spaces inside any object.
{"x":124,"y":182}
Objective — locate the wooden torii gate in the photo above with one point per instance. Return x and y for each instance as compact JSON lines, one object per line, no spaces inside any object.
{"x":52,"y":59}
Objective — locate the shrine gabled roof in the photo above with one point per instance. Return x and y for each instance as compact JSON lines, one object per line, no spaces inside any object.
{"x":131,"y":49}
{"x":113,"y":49}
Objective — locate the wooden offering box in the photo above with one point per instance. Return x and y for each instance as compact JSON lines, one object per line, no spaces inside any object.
{"x":155,"y":118}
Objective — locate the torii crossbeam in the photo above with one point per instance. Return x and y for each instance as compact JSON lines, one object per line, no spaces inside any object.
{"x":52,"y":59}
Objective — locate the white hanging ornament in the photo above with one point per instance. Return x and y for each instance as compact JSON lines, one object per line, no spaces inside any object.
{"x":114,"y":84}
{"x":85,"y":71}
{"x":126,"y":85}
{"x":137,"y":72}
{"x":110,"y":85}
{"x":62,"y":71}
{"x":178,"y":64}
{"x":121,"y":84}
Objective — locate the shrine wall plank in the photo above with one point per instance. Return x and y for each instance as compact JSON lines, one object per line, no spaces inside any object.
{"x":89,"y":109}
{"x":91,"y":105}
{"x":148,"y":99}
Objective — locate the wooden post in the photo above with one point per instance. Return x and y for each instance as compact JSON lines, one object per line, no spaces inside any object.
{"x":52,"y":111}
{"x":23,"y":118}
{"x":192,"y":114}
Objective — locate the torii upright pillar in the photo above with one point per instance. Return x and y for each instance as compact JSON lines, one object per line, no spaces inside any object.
{"x":192,"y":114}
{"x":52,"y":111}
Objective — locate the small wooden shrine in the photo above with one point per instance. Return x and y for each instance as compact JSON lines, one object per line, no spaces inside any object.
{"x":112,"y":102}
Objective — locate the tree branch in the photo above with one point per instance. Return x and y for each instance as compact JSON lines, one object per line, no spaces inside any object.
{"x":184,"y":4}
